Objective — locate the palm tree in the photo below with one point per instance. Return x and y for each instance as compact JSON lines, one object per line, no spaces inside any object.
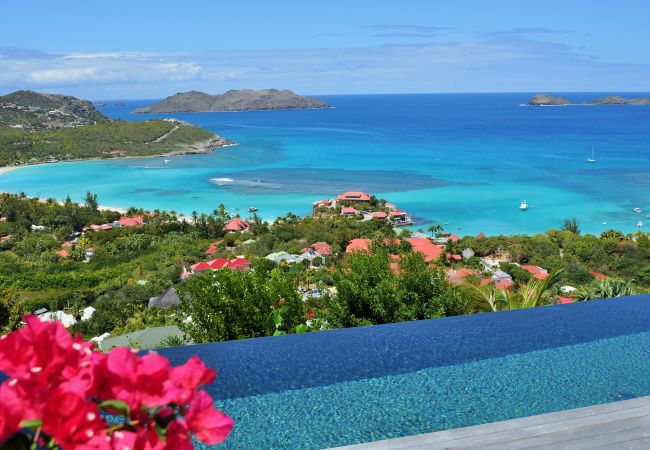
{"x":534,"y":293}
{"x":485,"y":298}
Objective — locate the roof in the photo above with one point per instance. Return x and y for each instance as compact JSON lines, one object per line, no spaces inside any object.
{"x":147,"y":338}
{"x":237,"y":225}
{"x":87,"y":313}
{"x":458,"y":276}
{"x":239,"y":263}
{"x":362,"y":245}
{"x":565,"y":300}
{"x":379,"y":215}
{"x":397,"y":212}
{"x":134,"y":221}
{"x":454,"y":237}
{"x":430,"y":250}
{"x":218,"y":263}
{"x":63,"y":253}
{"x":105,"y":227}
{"x":600,"y":276}
{"x":58,"y":316}
{"x":349,"y":210}
{"x":537,"y":272}
{"x":454,"y":257}
{"x":354,"y":196}
{"x":201,"y":266}
{"x":166,"y":299}
{"x":324,"y":202}
{"x":322,"y":247}
{"x":499,"y":283}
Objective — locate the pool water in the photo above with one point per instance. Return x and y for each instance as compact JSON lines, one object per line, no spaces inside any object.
{"x":568,"y":356}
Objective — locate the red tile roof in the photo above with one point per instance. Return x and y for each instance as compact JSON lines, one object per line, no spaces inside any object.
{"x":322,"y":247}
{"x":348,"y":210}
{"x":537,"y":272}
{"x":454,"y":237}
{"x":63,"y":253}
{"x":353,"y":196}
{"x":362,"y":245}
{"x":201,"y":266}
{"x":134,"y":221}
{"x":218,"y":263}
{"x":237,"y":225}
{"x":379,"y":215}
{"x":454,"y":257}
{"x":458,"y":276}
{"x":430,"y":250}
{"x":600,"y":276}
{"x":239,"y":264}
{"x":565,"y":300}
{"x":499,"y":283}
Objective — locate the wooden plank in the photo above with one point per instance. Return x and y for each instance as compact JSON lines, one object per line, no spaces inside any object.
{"x":626,"y":423}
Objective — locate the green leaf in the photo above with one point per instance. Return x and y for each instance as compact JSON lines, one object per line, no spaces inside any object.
{"x":31,"y":424}
{"x":116,"y":405}
{"x":302,"y":328}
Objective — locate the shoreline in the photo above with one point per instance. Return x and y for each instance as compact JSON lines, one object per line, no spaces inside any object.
{"x":203,"y":148}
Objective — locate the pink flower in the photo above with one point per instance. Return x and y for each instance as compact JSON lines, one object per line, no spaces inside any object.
{"x":11,"y":410}
{"x":178,"y":437}
{"x":186,"y":379}
{"x":205,"y":421}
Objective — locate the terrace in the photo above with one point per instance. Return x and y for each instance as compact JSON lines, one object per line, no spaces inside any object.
{"x":370,"y":384}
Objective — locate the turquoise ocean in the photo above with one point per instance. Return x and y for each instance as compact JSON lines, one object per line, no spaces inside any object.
{"x":463,"y":160}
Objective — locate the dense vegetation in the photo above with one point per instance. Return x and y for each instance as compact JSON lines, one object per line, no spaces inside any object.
{"x":391,"y":283}
{"x":105,"y":140}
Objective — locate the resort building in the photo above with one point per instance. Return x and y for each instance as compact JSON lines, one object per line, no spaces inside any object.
{"x":323,"y":248}
{"x":358,"y":245}
{"x":349,"y":211}
{"x":379,"y":215}
{"x":537,"y":272}
{"x":131,"y":222}
{"x":430,"y":250}
{"x":237,"y":224}
{"x":353,"y":196}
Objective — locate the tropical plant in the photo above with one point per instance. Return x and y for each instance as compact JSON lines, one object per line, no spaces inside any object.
{"x":609,"y":288}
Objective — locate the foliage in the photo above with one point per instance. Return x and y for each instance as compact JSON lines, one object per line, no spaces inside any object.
{"x":610,"y":288}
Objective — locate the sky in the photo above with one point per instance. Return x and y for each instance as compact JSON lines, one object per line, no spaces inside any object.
{"x":150,"y":49}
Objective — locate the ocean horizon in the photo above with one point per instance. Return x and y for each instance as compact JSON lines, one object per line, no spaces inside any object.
{"x":466,"y":161}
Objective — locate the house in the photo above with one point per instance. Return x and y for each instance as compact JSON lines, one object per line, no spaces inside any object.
{"x":129,"y":222}
{"x":358,"y":245}
{"x":218,"y":263}
{"x":239,"y":263}
{"x":321,"y":204}
{"x":105,"y":227}
{"x":565,"y":300}
{"x":237,"y":225}
{"x":322,"y":247}
{"x":430,"y":250}
{"x":458,"y":276}
{"x":499,"y":283}
{"x":454,"y":237}
{"x":278,"y":257}
{"x":400,"y":218}
{"x":454,"y":257}
{"x":87,"y":313}
{"x":536,"y":271}
{"x":200,"y":267}
{"x":349,"y":211}
{"x":353,"y":196}
{"x":58,"y":316}
{"x":166,"y":299}
{"x":63,"y":253}
{"x":391,"y":206}
{"x":379,"y":215}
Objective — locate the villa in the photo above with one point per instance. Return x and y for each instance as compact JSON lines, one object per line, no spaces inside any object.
{"x":323,"y":248}
{"x":238,"y":224}
{"x":379,"y":215}
{"x":238,"y":263}
{"x":131,"y":222}
{"x":349,"y":211}
{"x":537,"y":272}
{"x":358,"y":245}
{"x":353,"y":196}
{"x":430,"y":250}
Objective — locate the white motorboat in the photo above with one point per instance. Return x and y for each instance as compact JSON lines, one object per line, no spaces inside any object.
{"x":523,"y":206}
{"x":637,"y":210}
{"x":639,"y":224}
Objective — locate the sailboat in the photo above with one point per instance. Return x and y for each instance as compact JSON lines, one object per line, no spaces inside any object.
{"x":523,"y":206}
{"x":593,"y":157}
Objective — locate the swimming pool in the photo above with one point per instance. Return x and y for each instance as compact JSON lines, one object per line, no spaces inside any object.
{"x":341,"y":387}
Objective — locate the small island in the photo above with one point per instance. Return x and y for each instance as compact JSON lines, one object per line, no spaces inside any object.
{"x":547,"y":100}
{"x":233,"y":101}
{"x":38,"y":128}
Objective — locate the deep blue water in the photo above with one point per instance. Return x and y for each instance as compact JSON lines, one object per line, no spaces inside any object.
{"x":464,"y":160}
{"x":332,"y":388}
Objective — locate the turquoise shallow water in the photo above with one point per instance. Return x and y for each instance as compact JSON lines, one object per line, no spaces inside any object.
{"x":466,"y":160}
{"x":445,"y":397}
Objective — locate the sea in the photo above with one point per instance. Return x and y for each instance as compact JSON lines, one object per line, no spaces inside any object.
{"x":465,"y":161}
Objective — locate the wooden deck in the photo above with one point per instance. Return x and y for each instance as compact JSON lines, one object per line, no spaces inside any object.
{"x":620,"y":425}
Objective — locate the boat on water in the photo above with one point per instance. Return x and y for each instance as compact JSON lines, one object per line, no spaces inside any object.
{"x":592,"y":159}
{"x":252,"y":209}
{"x":523,"y":206}
{"x":637,"y":210}
{"x":639,"y":224}
{"x":166,"y":161}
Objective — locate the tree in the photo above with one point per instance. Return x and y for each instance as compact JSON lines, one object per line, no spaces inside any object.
{"x":229,"y":304}
{"x":91,"y":201}
{"x":11,"y":312}
{"x":436,"y":230}
{"x":571,"y":225}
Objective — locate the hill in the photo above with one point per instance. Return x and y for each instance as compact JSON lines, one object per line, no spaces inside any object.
{"x":36,"y":111}
{"x":616,"y":100}
{"x":235,"y":100}
{"x":36,"y":128}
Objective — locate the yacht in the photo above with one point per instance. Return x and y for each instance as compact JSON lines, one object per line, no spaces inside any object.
{"x":523,"y":206}
{"x":639,"y":224}
{"x":637,"y":210}
{"x":592,"y":159}
{"x":252,"y":209}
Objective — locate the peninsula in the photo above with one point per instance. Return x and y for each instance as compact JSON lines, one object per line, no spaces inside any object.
{"x":38,"y":128}
{"x":233,"y":101}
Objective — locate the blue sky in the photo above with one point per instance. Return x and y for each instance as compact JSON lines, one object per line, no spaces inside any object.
{"x":150,"y":49}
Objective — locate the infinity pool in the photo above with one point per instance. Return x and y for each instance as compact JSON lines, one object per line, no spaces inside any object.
{"x":341,"y":387}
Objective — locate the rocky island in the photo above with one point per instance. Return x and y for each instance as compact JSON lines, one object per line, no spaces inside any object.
{"x":233,"y":101}
{"x":37,"y":128}
{"x":547,"y":100}
{"x":616,"y":100}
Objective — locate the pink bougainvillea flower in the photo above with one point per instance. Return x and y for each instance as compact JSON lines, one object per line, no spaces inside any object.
{"x":178,"y":437}
{"x":186,"y":379}
{"x":205,"y":421}
{"x":12,"y":411}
